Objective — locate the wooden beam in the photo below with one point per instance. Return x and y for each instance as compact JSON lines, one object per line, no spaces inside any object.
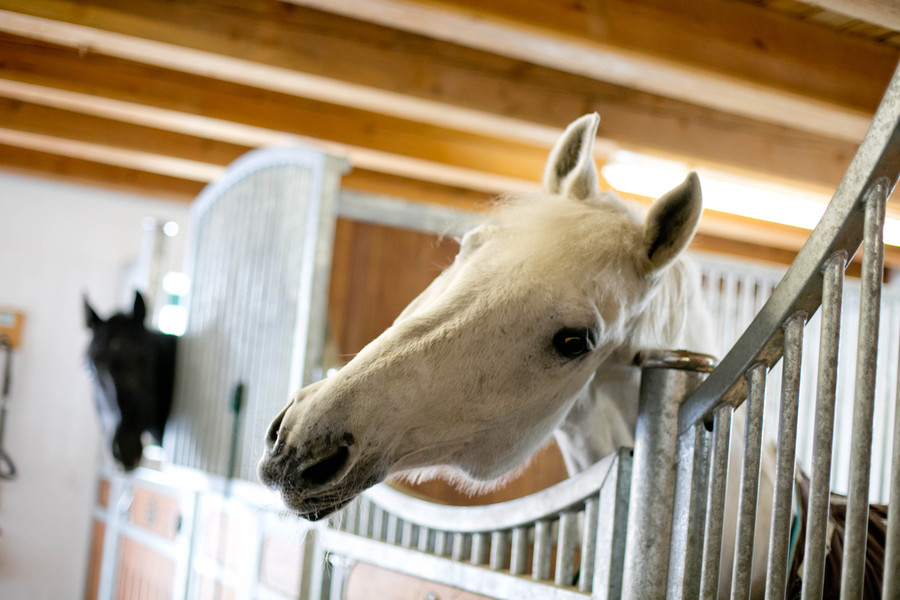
{"x":885,"y":13}
{"x":129,"y":159}
{"x":34,"y":118}
{"x":704,"y":52}
{"x":232,"y":112}
{"x":84,"y":172}
{"x":221,"y":57}
{"x":403,"y":166}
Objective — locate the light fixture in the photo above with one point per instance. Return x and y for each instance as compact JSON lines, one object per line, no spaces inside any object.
{"x":643,"y":175}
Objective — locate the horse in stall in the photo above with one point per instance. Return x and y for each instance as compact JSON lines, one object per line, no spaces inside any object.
{"x":531,"y":332}
{"x":133,"y":369}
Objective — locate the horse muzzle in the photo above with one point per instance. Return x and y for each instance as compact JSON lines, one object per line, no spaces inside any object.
{"x":317,"y":478}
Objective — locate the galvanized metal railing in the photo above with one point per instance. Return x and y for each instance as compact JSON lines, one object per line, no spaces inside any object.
{"x":565,"y":542}
{"x":855,"y":216}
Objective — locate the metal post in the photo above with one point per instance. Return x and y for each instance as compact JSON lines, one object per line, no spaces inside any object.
{"x":689,"y":513}
{"x":666,"y":381}
{"x":820,"y":484}
{"x":891,"y":586}
{"x":779,"y":535}
{"x":715,"y":502}
{"x":747,"y":501}
{"x":853,"y":569}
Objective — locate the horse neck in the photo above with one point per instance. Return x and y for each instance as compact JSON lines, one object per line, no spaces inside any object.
{"x":604,"y":415}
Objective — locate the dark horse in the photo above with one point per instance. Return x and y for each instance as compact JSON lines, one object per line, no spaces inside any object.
{"x":134,"y":371}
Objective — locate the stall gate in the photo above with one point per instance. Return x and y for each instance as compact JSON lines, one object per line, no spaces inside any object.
{"x":259,"y":261}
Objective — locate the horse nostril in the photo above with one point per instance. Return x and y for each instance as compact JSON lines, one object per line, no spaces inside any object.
{"x":327,"y":468}
{"x":272,"y":432}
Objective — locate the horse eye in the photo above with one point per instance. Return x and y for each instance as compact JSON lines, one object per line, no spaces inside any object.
{"x":572,"y":343}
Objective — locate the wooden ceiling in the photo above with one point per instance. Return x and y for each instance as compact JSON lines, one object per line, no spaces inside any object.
{"x":451,"y":101}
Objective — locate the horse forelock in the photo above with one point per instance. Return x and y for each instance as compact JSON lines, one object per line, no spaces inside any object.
{"x":599,"y":241}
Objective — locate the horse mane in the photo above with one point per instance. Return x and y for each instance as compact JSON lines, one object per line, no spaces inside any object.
{"x":673,"y":316}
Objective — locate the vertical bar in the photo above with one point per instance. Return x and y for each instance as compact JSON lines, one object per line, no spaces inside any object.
{"x":340,"y":569}
{"x":747,"y":500}
{"x":689,"y":516}
{"x":479,"y":548}
{"x":891,"y":584}
{"x":823,"y":436}
{"x":184,"y":546}
{"x":864,"y":394}
{"x":424,"y":538}
{"x":565,"y":549}
{"x":499,"y":550}
{"x":406,"y":534}
{"x":779,"y":535}
{"x":540,"y":566}
{"x":393,"y":526}
{"x":715,"y":502}
{"x":588,"y":545}
{"x":365,"y":517}
{"x":612,"y":524}
{"x":458,"y":550}
{"x":378,"y":523}
{"x":347,"y":518}
{"x":663,"y":389}
{"x":440,"y":542}
{"x":519,"y":553}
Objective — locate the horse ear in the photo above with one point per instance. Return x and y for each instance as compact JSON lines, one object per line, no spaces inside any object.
{"x":140,"y":309}
{"x":570,"y":169}
{"x":90,"y":316}
{"x":671,"y":222}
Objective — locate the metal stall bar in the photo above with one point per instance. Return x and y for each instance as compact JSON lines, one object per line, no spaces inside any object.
{"x":864,"y":398}
{"x":779,"y":537}
{"x":891,"y":584}
{"x":540,"y":565}
{"x":715,"y":502}
{"x":666,"y":379}
{"x":588,"y":545}
{"x":820,"y":493}
{"x":748,"y":498}
{"x":685,"y":556}
{"x":565,"y":548}
{"x":499,"y":550}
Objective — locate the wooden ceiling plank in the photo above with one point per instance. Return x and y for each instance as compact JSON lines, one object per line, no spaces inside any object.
{"x":882,"y":12}
{"x":587,"y":53}
{"x":258,"y":45}
{"x":266,"y":76}
{"x":403,"y":166}
{"x":55,"y":122}
{"x":254,"y":117}
{"x":34,"y":163}
{"x":229,"y":131}
{"x":130,"y":159}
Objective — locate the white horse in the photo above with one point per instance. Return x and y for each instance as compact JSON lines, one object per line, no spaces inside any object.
{"x":531,"y":332}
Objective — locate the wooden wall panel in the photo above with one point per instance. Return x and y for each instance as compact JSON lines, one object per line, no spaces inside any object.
{"x":92,"y":586}
{"x":280,"y":564}
{"x":227,"y":538}
{"x":155,"y":512}
{"x":366,"y":581}
{"x":143,"y":574}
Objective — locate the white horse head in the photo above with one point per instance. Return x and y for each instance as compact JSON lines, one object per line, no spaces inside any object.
{"x":480,"y":369}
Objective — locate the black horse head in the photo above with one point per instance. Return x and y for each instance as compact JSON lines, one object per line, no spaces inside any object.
{"x":134,"y":373}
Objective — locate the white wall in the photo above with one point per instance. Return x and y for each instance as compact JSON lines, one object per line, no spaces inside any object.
{"x":57,"y":241}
